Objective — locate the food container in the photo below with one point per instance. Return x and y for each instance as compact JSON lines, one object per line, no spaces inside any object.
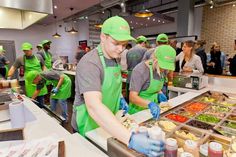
{"x":5,"y":83}
{"x":199,"y":124}
{"x":215,"y":149}
{"x":224,"y":141}
{"x":186,"y":154}
{"x":171,"y":148}
{"x":232,"y":117}
{"x":196,"y":107}
{"x":191,"y":147}
{"x":208,"y":118}
{"x":186,"y":133}
{"x":176,"y":117}
{"x":156,"y":133}
{"x":228,"y":132}
{"x":203,"y":150}
{"x":230,"y":124}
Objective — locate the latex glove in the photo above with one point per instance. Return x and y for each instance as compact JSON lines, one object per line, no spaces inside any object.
{"x":123,"y":105}
{"x":162,"y":98}
{"x":155,"y":110}
{"x":54,"y":90}
{"x":143,"y":144}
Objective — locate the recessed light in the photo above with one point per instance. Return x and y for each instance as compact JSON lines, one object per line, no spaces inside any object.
{"x":211,"y":6}
{"x":148,"y":18}
{"x":86,"y":17}
{"x":132,"y":27}
{"x":153,"y":19}
{"x":159,"y":20}
{"x":103,"y":12}
{"x":141,"y":24}
{"x":55,"y":7}
{"x":136,"y":23}
{"x":131,"y":22}
{"x":146,"y":25}
{"x":163,"y":21}
{"x":234,"y":5}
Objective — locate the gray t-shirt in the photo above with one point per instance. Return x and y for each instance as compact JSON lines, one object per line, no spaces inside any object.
{"x":134,"y":56}
{"x":3,"y":61}
{"x":41,"y":53}
{"x":140,"y":78}
{"x":148,"y":54}
{"x":20,"y":60}
{"x":89,"y":77}
{"x":49,"y":75}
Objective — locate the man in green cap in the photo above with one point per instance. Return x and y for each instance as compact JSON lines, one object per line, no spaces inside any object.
{"x":46,"y":55}
{"x":98,"y":89}
{"x":30,"y":62}
{"x":134,"y":56}
{"x":3,"y":63}
{"x":61,"y":88}
{"x":148,"y":78}
{"x":39,"y":47}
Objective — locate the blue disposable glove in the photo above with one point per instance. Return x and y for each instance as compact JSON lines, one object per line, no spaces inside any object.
{"x":123,"y":105}
{"x":143,"y":144}
{"x":162,"y":98}
{"x":155,"y":110}
{"x":54,"y":90}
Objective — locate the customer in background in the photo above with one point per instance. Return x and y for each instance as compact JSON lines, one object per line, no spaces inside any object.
{"x":173,"y":43}
{"x":61,"y":88}
{"x":216,"y":60}
{"x":162,"y":39}
{"x":87,"y":49}
{"x":46,"y":54}
{"x":30,"y":62}
{"x":79,"y":54}
{"x":189,"y":62}
{"x":232,"y":61}
{"x":134,"y":56}
{"x":123,"y":60}
{"x":200,"y":51}
{"x":3,"y":62}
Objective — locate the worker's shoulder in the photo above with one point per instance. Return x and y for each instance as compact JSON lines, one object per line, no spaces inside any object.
{"x":90,"y":58}
{"x":141,"y":67}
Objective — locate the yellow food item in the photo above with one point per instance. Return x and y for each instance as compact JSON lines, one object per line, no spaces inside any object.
{"x":167,"y":125}
{"x":234,"y":147}
{"x":187,"y":135}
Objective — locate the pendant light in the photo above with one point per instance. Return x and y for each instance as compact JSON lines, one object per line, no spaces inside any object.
{"x":72,"y":30}
{"x":143,"y":13}
{"x":56,"y":35}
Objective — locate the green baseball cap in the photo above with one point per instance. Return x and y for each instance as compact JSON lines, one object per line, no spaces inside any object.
{"x":31,"y":76}
{"x":45,"y":42}
{"x":118,"y":28}
{"x":141,"y":39}
{"x":165,"y":55}
{"x":2,"y":49}
{"x":39,"y":45}
{"x":162,"y":38}
{"x":26,"y":46}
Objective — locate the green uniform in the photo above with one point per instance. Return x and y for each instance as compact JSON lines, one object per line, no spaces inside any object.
{"x":150,"y":93}
{"x":32,"y":65}
{"x":111,"y":90}
{"x":48,"y":60}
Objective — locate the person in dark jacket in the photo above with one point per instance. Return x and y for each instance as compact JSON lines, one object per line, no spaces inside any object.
{"x":214,"y":66}
{"x":232,"y":61}
{"x":200,"y":51}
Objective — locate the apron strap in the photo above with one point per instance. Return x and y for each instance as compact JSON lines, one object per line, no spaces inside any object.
{"x":100,"y":54}
{"x":151,"y":69}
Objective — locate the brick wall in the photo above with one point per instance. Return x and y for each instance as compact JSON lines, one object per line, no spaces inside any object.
{"x":219,"y":25}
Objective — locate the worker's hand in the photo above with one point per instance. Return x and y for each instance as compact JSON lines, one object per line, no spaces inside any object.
{"x":162,"y":98}
{"x":154,"y":109}
{"x":54,"y":90}
{"x":123,"y":105}
{"x":143,"y":144}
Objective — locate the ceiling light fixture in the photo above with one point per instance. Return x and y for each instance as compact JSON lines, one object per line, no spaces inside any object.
{"x":148,"y":18}
{"x":143,"y":13}
{"x":153,"y":19}
{"x":72,"y":30}
{"x":55,"y":7}
{"x":56,"y":35}
{"x":234,"y":5}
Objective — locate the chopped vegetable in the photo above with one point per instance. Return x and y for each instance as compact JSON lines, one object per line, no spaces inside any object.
{"x":208,"y":118}
{"x":196,"y":107}
{"x":177,"y":118}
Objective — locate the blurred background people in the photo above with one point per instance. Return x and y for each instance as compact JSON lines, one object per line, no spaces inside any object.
{"x":3,"y":62}
{"x":200,"y":51}
{"x":216,"y":60}
{"x":188,"y":61}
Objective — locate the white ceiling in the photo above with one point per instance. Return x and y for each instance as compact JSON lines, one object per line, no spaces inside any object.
{"x":63,"y":9}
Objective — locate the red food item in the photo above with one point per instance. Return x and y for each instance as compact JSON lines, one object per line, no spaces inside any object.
{"x":124,"y":75}
{"x":195,"y":107}
{"x":177,"y":118}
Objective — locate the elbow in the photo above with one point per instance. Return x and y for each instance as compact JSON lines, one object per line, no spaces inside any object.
{"x":132,"y":97}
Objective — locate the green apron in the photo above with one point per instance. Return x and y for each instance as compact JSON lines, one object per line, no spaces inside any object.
{"x":48,"y":60}
{"x":111,"y":90}
{"x":32,"y":64}
{"x":150,"y":93}
{"x":65,"y":89}
{"x":7,"y":70}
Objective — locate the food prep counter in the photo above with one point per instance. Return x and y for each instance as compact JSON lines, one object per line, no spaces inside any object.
{"x":44,"y":126}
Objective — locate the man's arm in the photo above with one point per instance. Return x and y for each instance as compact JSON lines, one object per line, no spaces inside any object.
{"x":11,"y":71}
{"x":104,"y":117}
{"x":60,"y":81}
{"x":136,"y":99}
{"x":36,"y":93}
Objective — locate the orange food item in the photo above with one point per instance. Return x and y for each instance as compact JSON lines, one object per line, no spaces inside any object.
{"x":177,"y":118}
{"x":196,"y":107}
